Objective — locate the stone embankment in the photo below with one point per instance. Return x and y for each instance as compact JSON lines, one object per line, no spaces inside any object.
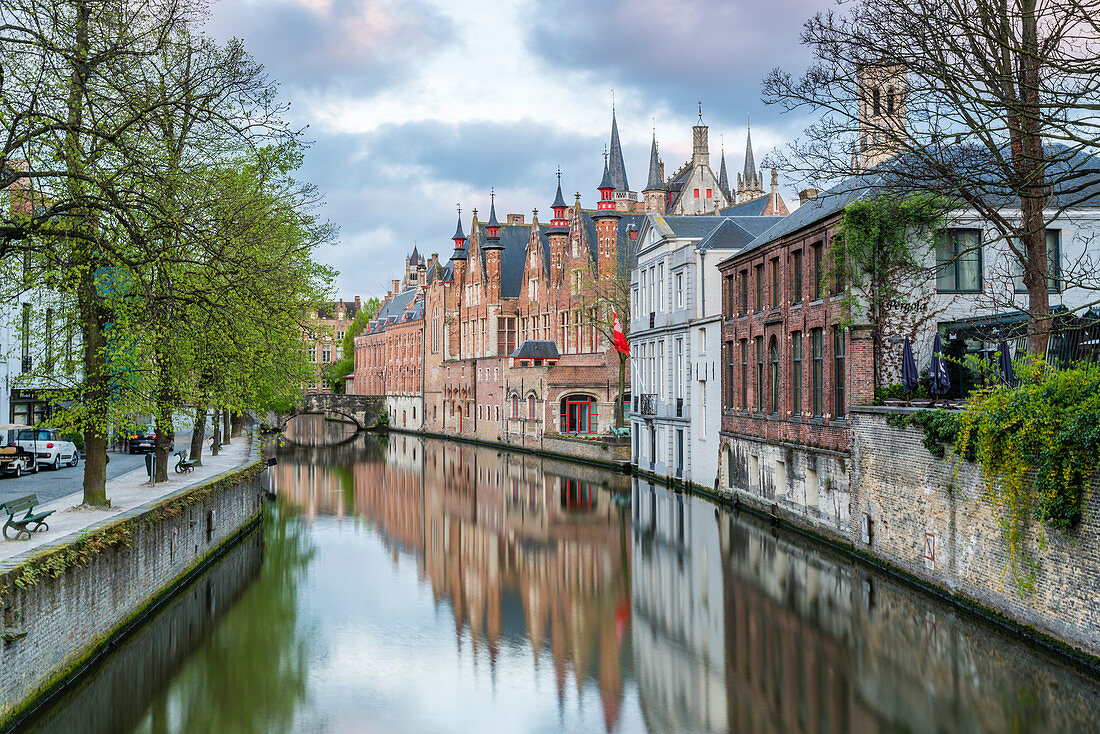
{"x":70,"y":593}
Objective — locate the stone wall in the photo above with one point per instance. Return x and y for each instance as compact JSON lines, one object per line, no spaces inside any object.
{"x":804,"y":485}
{"x":927,"y":518}
{"x":55,"y":624}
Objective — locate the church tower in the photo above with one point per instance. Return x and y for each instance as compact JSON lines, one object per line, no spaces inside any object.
{"x":655,"y":195}
{"x":750,"y":183}
{"x":723,"y":178}
{"x":882,"y":90}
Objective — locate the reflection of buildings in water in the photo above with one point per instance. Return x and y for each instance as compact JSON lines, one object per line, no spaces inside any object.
{"x":678,"y":635}
{"x":816,"y":644}
{"x":526,"y":550}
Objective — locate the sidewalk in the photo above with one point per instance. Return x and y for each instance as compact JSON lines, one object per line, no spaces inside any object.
{"x":125,"y":492}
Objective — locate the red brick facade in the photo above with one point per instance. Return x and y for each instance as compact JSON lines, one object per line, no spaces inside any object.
{"x":780,"y":325}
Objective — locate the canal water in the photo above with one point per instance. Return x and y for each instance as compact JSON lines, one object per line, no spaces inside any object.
{"x":408,"y":585}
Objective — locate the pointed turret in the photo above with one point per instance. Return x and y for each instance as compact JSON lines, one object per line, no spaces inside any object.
{"x":655,"y":194}
{"x":459,"y":240}
{"x":723,"y":178}
{"x":559,"y":206}
{"x":606,"y":204}
{"x":492,"y":227}
{"x":616,"y":167}
{"x":750,"y":161}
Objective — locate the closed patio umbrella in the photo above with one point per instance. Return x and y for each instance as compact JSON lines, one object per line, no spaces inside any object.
{"x":1004,"y":366}
{"x":941,"y":381}
{"x":909,"y":377}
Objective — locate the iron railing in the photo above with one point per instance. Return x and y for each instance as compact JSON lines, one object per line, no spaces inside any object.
{"x":648,"y":404}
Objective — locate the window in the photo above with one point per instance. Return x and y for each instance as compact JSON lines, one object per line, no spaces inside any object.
{"x":709,"y":194}
{"x":515,"y":406}
{"x":728,"y":282}
{"x":578,"y":415}
{"x":506,"y":336}
{"x":796,"y":373}
{"x":1054,"y":264}
{"x":838,"y":371}
{"x":660,"y":287}
{"x":532,"y":289}
{"x":774,"y":349}
{"x":876,"y":97}
{"x":775,"y":282}
{"x":759,"y":287}
{"x":815,"y":338}
{"x":744,"y":292}
{"x":25,"y":337}
{"x":817,"y":271}
{"x":679,"y":290}
{"x":744,"y":373}
{"x":760,"y":373}
{"x":49,"y":339}
{"x":531,"y":406}
{"x":838,"y":268}
{"x":959,"y":257}
{"x":435,"y":331}
{"x":796,"y":277}
{"x":889,"y":100}
{"x":730,"y":365}
{"x":696,"y":193}
{"x":326,"y":354}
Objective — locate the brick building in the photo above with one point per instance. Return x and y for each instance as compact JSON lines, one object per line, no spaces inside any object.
{"x":324,"y":343}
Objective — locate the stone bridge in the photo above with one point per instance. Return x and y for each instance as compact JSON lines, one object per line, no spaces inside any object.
{"x":362,"y":410}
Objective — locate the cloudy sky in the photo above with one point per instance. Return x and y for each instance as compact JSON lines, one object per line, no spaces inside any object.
{"x":414,"y":106}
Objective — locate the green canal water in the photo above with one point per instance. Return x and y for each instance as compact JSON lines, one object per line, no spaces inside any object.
{"x":409,"y":585}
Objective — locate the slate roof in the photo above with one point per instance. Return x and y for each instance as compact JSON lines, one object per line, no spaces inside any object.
{"x":513,"y":255}
{"x":735,"y":233}
{"x":328,"y":310}
{"x":617,"y":168}
{"x":690,"y":227}
{"x":754,"y":208}
{"x":536,"y":349}
{"x":627,"y":258}
{"x":393,"y":310}
{"x":655,"y":183}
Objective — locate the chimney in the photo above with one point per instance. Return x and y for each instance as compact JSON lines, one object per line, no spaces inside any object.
{"x":396,"y":286}
{"x":806,"y":194}
{"x":775,"y":181}
{"x":357,"y":303}
{"x":435,"y":257}
{"x":515,"y":219}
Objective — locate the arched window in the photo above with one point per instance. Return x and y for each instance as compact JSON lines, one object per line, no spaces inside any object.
{"x":578,"y":415}
{"x":774,"y":349}
{"x":498,"y":412}
{"x":515,"y":405}
{"x":531,"y":406}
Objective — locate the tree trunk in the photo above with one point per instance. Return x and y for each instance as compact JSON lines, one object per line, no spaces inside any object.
{"x":622,"y":391}
{"x":236,"y":422}
{"x":198,"y":435}
{"x":226,"y":426}
{"x":166,"y":434}
{"x":216,"y":438}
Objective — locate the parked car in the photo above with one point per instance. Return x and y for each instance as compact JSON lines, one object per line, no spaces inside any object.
{"x":48,"y":447}
{"x":144,"y":442}
{"x":14,"y":459}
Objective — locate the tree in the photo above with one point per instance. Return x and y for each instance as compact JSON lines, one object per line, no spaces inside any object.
{"x":608,"y":292}
{"x":989,"y":103}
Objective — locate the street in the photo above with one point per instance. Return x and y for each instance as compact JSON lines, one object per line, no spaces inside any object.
{"x":49,"y":484}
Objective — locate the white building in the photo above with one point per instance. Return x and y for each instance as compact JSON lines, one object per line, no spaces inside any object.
{"x":675,"y":340}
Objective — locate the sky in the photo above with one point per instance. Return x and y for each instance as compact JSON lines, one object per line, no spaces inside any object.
{"x":416,"y":106}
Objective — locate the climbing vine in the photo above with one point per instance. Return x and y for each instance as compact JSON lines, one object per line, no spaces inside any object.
{"x":876,"y":252}
{"x":941,"y":428}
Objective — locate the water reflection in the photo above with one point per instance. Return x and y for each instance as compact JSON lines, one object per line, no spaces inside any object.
{"x":413,"y":585}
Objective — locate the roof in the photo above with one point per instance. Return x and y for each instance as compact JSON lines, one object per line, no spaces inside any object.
{"x":735,"y":233}
{"x":723,"y":178}
{"x":393,"y":309}
{"x":689,"y":227}
{"x":616,"y":167}
{"x":492,"y":212}
{"x":627,"y":258}
{"x":750,"y":161}
{"x":655,"y":183}
{"x":328,"y":310}
{"x":754,"y":208}
{"x":606,"y":182}
{"x":559,"y":202}
{"x":513,"y":255}
{"x":458,"y":231}
{"x":536,"y":349}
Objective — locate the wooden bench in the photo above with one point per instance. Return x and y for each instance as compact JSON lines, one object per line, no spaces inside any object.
{"x":23,"y":524}
{"x":183,"y":466}
{"x":623,"y":432}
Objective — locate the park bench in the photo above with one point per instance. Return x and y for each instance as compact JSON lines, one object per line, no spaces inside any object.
{"x":183,"y":466}
{"x":623,"y":432}
{"x":23,"y":524}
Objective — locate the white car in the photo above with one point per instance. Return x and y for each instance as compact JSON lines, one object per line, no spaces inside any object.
{"x":48,"y":447}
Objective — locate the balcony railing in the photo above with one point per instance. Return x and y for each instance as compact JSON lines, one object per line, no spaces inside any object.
{"x":648,"y":404}
{"x":679,"y":407}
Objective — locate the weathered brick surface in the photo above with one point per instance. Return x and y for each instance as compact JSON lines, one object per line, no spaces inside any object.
{"x":67,"y":617}
{"x":908,"y":493}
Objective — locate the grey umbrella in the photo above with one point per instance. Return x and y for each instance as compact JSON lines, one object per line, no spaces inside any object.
{"x":909,"y":377}
{"x":1005,"y":369}
{"x":941,"y":381}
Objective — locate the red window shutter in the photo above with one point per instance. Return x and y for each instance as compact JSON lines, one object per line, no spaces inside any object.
{"x":709,"y":194}
{"x":696,"y":193}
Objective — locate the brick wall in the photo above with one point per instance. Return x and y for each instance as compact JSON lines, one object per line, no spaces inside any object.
{"x":67,"y":618}
{"x":952,"y":538}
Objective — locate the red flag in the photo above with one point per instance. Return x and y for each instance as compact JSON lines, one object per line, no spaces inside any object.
{"x":618,"y":337}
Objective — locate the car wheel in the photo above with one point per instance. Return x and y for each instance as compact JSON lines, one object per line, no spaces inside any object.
{"x":17,"y":471}
{"x":76,"y":459}
{"x":34,"y":467}
{"x":57,"y":461}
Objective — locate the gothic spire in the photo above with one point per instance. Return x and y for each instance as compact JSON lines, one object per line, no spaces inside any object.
{"x":723,"y":178}
{"x":655,"y":183}
{"x":750,"y":162}
{"x":492,"y":210}
{"x":607,"y":182}
{"x":616,"y":167}
{"x":459,"y":235}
